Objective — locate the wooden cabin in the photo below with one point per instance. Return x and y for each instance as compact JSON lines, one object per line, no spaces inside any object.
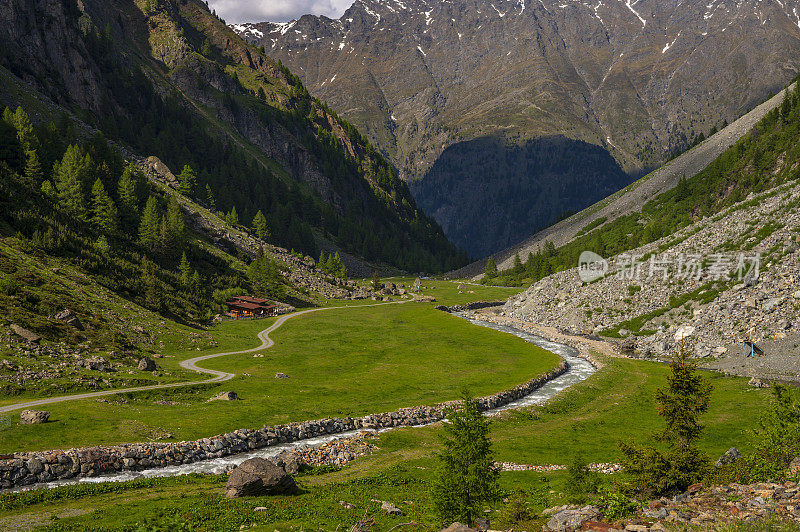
{"x":250,"y":307}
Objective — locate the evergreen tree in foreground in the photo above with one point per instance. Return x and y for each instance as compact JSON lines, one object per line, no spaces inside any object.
{"x":466,"y":476}
{"x":681,"y":402}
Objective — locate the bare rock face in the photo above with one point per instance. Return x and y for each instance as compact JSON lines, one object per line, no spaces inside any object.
{"x":33,"y":417}
{"x":258,"y":476}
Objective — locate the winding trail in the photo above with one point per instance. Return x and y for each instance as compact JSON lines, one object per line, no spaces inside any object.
{"x":190,"y":364}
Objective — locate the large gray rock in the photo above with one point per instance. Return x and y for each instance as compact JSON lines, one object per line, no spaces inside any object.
{"x":147,"y":364}
{"x":25,"y":334}
{"x":96,"y":363}
{"x":458,"y":527}
{"x":70,"y":318}
{"x":571,"y":519}
{"x":225,"y":396}
{"x":258,"y":476}
{"x":730,"y":456}
{"x":33,"y":417}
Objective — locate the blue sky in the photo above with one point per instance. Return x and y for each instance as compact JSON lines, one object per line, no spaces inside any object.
{"x":237,"y":11}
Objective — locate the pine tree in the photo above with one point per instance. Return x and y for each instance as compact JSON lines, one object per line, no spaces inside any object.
{"x":104,"y":212}
{"x":212,"y":203}
{"x":71,"y":175}
{"x":376,"y":281}
{"x":174,"y":233}
{"x":24,"y":126}
{"x":260,"y":226}
{"x":518,"y":267}
{"x":185,"y":270}
{"x":232,"y":217}
{"x":681,"y":402}
{"x":187,"y":181}
{"x":149,"y":227}
{"x":322,"y":260}
{"x":491,"y":267}
{"x":194,"y":283}
{"x":126,"y":192}
{"x":265,"y":277}
{"x":33,"y":168}
{"x":466,"y":476}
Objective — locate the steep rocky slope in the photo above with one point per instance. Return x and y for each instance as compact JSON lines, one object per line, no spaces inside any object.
{"x":729,"y":275}
{"x":640,"y":79}
{"x":633,"y":197}
{"x":170,"y":79}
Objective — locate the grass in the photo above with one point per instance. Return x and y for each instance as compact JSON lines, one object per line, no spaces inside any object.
{"x":591,"y":418}
{"x":343,"y":362}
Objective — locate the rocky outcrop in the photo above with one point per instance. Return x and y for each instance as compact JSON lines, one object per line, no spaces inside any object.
{"x":70,"y":318}
{"x":225,"y":396}
{"x":33,"y":417}
{"x":25,"y":334}
{"x":94,"y":461}
{"x":147,"y":364}
{"x":256,"y":477}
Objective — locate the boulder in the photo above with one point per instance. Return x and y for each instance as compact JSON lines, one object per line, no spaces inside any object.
{"x":257,"y":476}
{"x":730,"y":456}
{"x":147,"y":364}
{"x":757,"y":383}
{"x":684,"y":331}
{"x":628,"y":346}
{"x":571,"y":519}
{"x":25,"y":334}
{"x":390,"y":508}
{"x":70,"y":318}
{"x":458,"y":527}
{"x":33,"y":417}
{"x":225,"y":396}
{"x":96,"y":363}
{"x":281,"y":376}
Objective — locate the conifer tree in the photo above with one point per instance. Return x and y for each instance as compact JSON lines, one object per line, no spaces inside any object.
{"x":104,"y":212}
{"x":194,"y":283}
{"x":338,"y":268}
{"x":174,"y":225}
{"x":518,"y":267}
{"x":260,"y":226}
{"x":33,"y":168}
{"x":491,"y":267}
{"x":185,"y":270}
{"x":322,"y":260}
{"x":187,"y":181}
{"x":232,"y":217}
{"x":27,"y":138}
{"x":149,"y":227}
{"x":71,"y":175}
{"x":212,"y":203}
{"x":466,"y":476}
{"x":680,"y":403}
{"x":126,"y":192}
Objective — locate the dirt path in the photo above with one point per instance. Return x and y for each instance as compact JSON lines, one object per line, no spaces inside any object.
{"x":190,"y":364}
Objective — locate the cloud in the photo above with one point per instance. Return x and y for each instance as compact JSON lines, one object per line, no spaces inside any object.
{"x":237,"y":11}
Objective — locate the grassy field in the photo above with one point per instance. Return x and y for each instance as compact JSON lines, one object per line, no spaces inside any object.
{"x":342,"y":362}
{"x":590,"y":418}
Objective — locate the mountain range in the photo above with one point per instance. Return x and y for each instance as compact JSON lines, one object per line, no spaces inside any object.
{"x":430,"y":81}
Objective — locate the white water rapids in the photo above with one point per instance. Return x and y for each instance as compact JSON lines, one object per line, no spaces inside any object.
{"x":579,"y":369}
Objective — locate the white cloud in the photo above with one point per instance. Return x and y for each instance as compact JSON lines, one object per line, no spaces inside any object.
{"x":237,"y":11}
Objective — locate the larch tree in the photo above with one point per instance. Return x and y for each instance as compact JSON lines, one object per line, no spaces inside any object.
{"x":71,"y":175}
{"x":491,"y":267}
{"x":150,"y":225}
{"x":104,"y":212}
{"x":260,"y":227}
{"x":126,"y":192}
{"x":187,"y":181}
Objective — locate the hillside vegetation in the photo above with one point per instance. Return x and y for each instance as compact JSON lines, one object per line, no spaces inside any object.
{"x":169,"y":79}
{"x":766,"y":157}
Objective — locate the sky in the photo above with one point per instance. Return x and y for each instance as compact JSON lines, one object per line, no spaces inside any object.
{"x":238,"y":11}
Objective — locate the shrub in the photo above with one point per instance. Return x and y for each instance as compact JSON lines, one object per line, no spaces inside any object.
{"x":580,"y":481}
{"x":616,"y":506}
